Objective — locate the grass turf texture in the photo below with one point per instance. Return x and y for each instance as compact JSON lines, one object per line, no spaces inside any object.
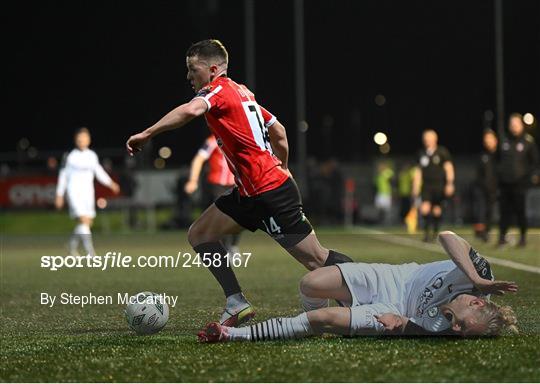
{"x":69,"y":343}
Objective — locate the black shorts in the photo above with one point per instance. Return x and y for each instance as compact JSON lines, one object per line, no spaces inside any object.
{"x":278,"y":212}
{"x":433,"y":193}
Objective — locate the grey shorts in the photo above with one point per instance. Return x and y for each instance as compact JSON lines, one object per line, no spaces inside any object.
{"x":375,"y":289}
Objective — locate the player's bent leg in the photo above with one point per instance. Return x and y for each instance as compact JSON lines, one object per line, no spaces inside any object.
{"x":211,"y":226}
{"x":205,"y":236}
{"x":331,"y":320}
{"x":336,"y":320}
{"x":326,"y":283}
{"x":309,"y":252}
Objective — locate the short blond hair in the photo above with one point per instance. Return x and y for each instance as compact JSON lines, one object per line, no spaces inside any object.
{"x":497,"y":319}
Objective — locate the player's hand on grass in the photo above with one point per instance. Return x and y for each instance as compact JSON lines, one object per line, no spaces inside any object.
{"x":496,"y":287}
{"x":392,"y":322}
{"x":59,"y":202}
{"x":136,"y":142}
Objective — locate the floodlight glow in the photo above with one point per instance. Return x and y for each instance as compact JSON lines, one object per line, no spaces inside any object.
{"x":159,"y":163}
{"x":385,"y":148}
{"x":528,"y":118}
{"x":380,"y":138}
{"x":165,"y":152}
{"x":380,"y":100}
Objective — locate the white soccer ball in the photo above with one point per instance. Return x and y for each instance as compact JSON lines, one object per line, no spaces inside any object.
{"x":147,"y":313}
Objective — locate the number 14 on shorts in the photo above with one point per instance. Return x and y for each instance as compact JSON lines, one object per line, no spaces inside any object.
{"x":271,"y":227}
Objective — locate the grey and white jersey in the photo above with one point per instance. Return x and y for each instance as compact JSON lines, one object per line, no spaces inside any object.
{"x":437,"y":283}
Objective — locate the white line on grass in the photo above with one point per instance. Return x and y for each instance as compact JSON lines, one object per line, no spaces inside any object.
{"x":399,"y":240}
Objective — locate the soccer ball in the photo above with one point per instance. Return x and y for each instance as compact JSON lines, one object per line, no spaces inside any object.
{"x":147,"y":313}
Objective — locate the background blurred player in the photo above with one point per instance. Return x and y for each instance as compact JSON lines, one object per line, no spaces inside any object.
{"x":433,"y":181}
{"x":219,"y":180}
{"x":485,"y":186}
{"x":517,"y":162}
{"x":265,"y":197}
{"x":76,"y":180}
{"x":443,"y":297}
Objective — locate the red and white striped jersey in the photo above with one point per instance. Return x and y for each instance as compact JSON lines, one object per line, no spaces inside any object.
{"x":219,"y":172}
{"x":240,"y":126}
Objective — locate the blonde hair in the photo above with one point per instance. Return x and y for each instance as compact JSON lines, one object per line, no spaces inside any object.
{"x":497,"y":319}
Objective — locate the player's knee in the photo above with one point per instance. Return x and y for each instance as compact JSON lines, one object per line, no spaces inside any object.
{"x":196,"y":234}
{"x":309,"y":285}
{"x":306,"y":285}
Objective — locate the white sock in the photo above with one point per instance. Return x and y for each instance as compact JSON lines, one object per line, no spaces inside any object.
{"x":74,"y":244}
{"x":84,"y":233}
{"x":281,"y":328}
{"x":236,"y":301}
{"x":312,"y":303}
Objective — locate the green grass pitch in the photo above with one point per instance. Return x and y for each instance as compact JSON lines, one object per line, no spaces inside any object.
{"x":69,"y":343}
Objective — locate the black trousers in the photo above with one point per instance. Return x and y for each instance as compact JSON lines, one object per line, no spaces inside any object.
{"x":512,"y":203}
{"x":484,"y":205}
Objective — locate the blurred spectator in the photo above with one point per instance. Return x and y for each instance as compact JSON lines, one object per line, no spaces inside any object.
{"x":517,"y":160}
{"x":433,"y":181}
{"x":485,"y":186}
{"x":219,"y":180}
{"x":383,"y":194}
{"x":327,"y":192}
{"x":405,"y":182}
{"x":52,"y":165}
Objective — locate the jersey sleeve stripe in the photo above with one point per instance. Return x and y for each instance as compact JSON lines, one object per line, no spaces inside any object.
{"x":207,"y":97}
{"x":206,"y":101}
{"x":270,"y":122}
{"x":204,"y":153}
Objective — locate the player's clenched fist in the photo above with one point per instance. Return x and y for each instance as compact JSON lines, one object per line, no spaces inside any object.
{"x":136,"y":142}
{"x":391,"y":322}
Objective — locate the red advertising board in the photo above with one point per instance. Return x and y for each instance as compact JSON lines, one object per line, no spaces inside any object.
{"x":35,"y":191}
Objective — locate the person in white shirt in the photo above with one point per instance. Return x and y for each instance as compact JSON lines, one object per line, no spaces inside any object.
{"x":449,"y":297}
{"x":76,"y":182}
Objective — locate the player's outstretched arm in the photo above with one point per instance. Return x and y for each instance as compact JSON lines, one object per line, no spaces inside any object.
{"x":176,"y":118}
{"x":458,"y":249}
{"x":280,"y":145}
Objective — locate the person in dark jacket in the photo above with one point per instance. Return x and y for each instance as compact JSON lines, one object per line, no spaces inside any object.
{"x":517,"y":160}
{"x":485,"y":186}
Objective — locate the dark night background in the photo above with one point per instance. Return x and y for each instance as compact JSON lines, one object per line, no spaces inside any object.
{"x":117,"y":67}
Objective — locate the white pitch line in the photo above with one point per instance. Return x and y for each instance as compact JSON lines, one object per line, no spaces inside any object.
{"x":389,"y":238}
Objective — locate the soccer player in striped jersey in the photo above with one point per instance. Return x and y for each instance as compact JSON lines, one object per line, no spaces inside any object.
{"x":219,"y":180}
{"x":76,"y":181}
{"x":266,"y":196}
{"x":439,"y":298}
